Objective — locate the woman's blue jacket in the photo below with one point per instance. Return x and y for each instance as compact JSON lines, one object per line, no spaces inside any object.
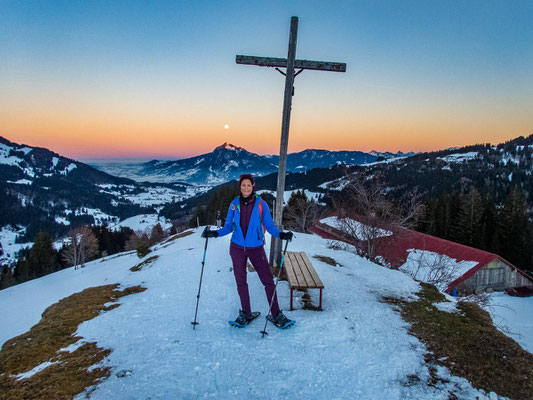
{"x":254,"y":235}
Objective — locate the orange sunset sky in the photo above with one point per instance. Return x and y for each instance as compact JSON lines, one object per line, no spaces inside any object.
{"x":129,"y":80}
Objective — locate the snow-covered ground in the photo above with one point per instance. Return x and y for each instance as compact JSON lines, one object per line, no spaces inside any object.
{"x":459,"y":157}
{"x":514,"y":316}
{"x":8,"y":235}
{"x":336,"y":184}
{"x":100,"y":217}
{"x":357,"y":348}
{"x":152,"y":195}
{"x":361,"y":231}
{"x":437,"y":269}
{"x":139,"y":223}
{"x":143,"y":223}
{"x":386,"y":161}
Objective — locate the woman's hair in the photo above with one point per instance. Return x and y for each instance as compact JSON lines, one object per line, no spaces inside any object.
{"x":246,"y":176}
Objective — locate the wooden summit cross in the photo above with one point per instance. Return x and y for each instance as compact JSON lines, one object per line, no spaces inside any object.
{"x":290,"y":64}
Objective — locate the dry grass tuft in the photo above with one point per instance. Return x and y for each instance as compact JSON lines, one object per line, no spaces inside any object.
{"x":307,"y":304}
{"x":328,"y":260}
{"x":56,"y":329}
{"x":177,"y":236}
{"x":143,"y":264}
{"x":469,"y":345}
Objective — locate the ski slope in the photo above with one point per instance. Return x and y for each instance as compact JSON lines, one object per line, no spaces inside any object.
{"x":357,"y":348}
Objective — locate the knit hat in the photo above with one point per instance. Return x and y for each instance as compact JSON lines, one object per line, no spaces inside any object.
{"x":246,"y":176}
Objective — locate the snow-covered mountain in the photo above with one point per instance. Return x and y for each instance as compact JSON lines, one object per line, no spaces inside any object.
{"x":494,"y":168}
{"x":357,"y":348}
{"x":224,"y":163}
{"x":311,"y":158}
{"x":42,"y":190}
{"x":227,"y":162}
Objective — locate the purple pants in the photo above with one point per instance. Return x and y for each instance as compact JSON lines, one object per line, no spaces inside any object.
{"x":258,"y":258}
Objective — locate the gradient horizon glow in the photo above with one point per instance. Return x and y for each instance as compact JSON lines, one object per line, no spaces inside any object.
{"x":141,"y":79}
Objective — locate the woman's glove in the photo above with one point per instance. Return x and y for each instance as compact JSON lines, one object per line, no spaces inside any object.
{"x":207,"y":233}
{"x":286,"y":235}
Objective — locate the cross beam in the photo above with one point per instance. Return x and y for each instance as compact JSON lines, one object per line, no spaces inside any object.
{"x":300,"y":64}
{"x":290,"y":63}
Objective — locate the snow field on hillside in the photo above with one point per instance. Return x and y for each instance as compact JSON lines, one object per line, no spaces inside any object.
{"x":149,"y":195}
{"x":357,"y":348}
{"x":513,"y":315}
{"x":361,"y":231}
{"x":27,"y":301}
{"x":8,"y":236}
{"x":437,"y":269}
{"x":143,"y":223}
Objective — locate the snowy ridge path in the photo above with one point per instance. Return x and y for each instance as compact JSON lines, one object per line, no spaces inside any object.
{"x":357,"y":348}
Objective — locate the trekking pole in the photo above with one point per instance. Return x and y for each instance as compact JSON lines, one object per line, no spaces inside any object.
{"x":264,"y":331}
{"x":194,"y":323}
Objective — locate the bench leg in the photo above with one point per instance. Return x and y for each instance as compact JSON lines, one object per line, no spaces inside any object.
{"x":291,"y":299}
{"x":320,"y":306}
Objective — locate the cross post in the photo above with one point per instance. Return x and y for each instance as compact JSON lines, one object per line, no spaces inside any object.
{"x":290,"y":64}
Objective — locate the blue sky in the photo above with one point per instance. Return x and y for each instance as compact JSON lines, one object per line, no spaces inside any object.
{"x":135,"y":79}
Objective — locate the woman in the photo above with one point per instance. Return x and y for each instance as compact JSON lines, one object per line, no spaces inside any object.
{"x":247,"y":214}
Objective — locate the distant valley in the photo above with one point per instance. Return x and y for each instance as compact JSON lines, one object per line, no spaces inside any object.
{"x":227,"y":161}
{"x":42,"y":190}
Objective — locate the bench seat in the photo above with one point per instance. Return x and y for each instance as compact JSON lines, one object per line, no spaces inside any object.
{"x":301,"y":274}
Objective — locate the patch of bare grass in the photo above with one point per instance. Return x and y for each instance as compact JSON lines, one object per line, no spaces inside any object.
{"x":108,"y":258}
{"x":469,"y":345}
{"x":307,"y":304}
{"x":327,"y":260}
{"x":56,"y":329}
{"x":145,"y":264}
{"x":177,"y":236}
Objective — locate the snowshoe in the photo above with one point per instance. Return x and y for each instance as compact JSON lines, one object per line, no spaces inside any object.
{"x":280,"y":321}
{"x":244,"y":319}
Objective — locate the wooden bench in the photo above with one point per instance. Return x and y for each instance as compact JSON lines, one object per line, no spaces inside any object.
{"x":301,"y":274}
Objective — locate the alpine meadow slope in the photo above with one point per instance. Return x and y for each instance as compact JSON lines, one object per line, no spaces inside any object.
{"x":357,"y":348}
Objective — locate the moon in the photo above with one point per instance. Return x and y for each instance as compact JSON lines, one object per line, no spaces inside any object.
{"x":226,"y":126}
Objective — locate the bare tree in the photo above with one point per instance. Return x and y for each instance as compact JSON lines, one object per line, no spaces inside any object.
{"x":366,"y":214}
{"x":434,"y":268}
{"x":82,"y":246}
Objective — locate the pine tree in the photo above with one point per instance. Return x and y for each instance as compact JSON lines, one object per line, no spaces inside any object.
{"x":468,"y":228}
{"x":220,"y":201}
{"x":440,"y":215}
{"x":173,"y":230}
{"x":6,"y":277}
{"x":42,"y":258}
{"x":514,"y":230}
{"x":488,"y":225}
{"x":300,"y":212}
{"x":157,"y":234}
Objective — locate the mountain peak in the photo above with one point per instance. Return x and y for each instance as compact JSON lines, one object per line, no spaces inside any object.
{"x":229,"y":146}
